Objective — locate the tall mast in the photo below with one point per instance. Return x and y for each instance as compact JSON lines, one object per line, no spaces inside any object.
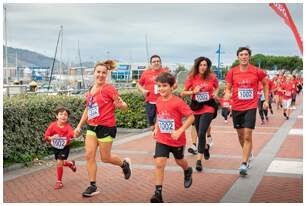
{"x":59,"y":34}
{"x":79,"y":53}
{"x":5,"y":37}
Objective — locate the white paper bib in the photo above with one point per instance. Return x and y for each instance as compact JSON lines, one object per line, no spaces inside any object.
{"x":59,"y":142}
{"x":202,"y":96}
{"x":93,"y":111}
{"x":166,"y":125}
{"x":245,"y":93}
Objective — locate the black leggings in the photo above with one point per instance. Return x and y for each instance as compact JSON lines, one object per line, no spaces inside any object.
{"x":202,"y":122}
{"x":262,"y":112}
{"x":225,"y":112}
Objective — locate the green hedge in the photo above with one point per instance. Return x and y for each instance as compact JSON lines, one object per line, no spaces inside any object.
{"x":27,"y":117}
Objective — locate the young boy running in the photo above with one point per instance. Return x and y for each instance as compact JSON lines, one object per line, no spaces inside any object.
{"x":59,"y":134}
{"x":169,"y":133}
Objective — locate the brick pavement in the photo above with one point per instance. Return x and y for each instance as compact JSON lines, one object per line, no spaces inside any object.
{"x":219,"y":177}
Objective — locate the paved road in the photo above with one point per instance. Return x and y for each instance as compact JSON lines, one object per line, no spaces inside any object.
{"x":276,"y":174}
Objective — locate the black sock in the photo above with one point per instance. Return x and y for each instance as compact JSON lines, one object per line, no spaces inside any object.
{"x":195,"y":144}
{"x":209,"y":135}
{"x":244,"y":163}
{"x":158,"y":188}
{"x":93,"y":183}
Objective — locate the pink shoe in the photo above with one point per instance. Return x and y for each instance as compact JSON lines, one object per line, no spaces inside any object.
{"x":73,"y":167}
{"x":58,"y":185}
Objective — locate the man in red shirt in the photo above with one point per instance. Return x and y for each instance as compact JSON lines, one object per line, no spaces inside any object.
{"x":148,"y":87}
{"x":243,"y":81}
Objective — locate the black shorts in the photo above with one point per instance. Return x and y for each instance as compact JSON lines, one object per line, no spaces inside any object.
{"x":62,"y":154}
{"x":103,"y":133}
{"x":244,"y":119}
{"x":151,"y":113}
{"x":162,"y":150}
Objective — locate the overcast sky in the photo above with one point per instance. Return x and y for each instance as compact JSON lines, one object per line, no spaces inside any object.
{"x":177,"y":32}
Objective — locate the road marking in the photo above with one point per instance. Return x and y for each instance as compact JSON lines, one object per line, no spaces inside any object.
{"x":290,"y":167}
{"x":244,"y":188}
{"x":300,"y":117}
{"x":296,"y":132}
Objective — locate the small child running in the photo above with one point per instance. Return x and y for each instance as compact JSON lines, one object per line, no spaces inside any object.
{"x":59,"y":135}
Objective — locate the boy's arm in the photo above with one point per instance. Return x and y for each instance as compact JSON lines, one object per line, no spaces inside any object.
{"x":177,"y":133}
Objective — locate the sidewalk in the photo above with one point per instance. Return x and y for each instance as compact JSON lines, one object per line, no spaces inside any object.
{"x":276,"y":174}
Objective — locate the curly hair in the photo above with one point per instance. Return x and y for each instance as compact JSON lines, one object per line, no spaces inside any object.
{"x":195,"y":68}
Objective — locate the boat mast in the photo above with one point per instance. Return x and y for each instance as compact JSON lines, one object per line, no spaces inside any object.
{"x":79,"y":53}
{"x":59,"y":34}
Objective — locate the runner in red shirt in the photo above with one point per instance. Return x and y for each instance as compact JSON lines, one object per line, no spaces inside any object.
{"x":243,"y":81}
{"x":59,"y":135}
{"x":271,"y":92}
{"x":202,"y":85}
{"x":101,"y":101}
{"x":263,"y":113}
{"x":226,"y":108}
{"x":169,"y":133}
{"x":294,"y":91}
{"x":287,"y":89}
{"x":148,"y":87}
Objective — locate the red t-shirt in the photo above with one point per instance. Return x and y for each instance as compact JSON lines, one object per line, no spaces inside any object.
{"x":271,"y":85}
{"x":65,"y":131}
{"x":101,"y":110}
{"x":288,"y":90}
{"x":245,"y":86}
{"x":147,"y":80}
{"x":169,"y":118}
{"x":294,"y":86}
{"x":225,"y":103}
{"x":206,"y":92}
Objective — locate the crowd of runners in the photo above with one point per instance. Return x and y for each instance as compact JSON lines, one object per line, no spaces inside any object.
{"x":247,"y":89}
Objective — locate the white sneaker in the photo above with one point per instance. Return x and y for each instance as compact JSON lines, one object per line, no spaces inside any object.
{"x":210,"y":141}
{"x":225,"y":121}
{"x":251,"y":158}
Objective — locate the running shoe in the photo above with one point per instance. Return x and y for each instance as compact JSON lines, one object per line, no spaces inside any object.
{"x":243,"y":170}
{"x":188,"y":177}
{"x":58,"y":185}
{"x":225,"y":121}
{"x":157,"y":197}
{"x":193,"y":150}
{"x":250,"y":160}
{"x":73,"y":167}
{"x":210,"y":141}
{"x":127,"y":168}
{"x":199,"y":166}
{"x":90,"y":191}
{"x":206,"y":152}
{"x":267,"y":119}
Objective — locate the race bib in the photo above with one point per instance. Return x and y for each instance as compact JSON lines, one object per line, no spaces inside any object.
{"x":202,"y":96}
{"x":288,"y":93}
{"x":59,"y":142}
{"x":93,"y":111}
{"x":166,"y":125}
{"x":245,"y":93}
{"x":155,"y":89}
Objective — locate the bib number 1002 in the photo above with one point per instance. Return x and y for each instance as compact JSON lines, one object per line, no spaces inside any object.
{"x":245,"y":94}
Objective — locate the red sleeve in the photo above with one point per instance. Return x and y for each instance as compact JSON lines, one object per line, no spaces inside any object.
{"x":216,"y":83}
{"x":261,"y":74}
{"x":112,"y":92}
{"x":184,"y":108}
{"x":188,"y":83}
{"x":49,"y":132}
{"x":142,"y":78}
{"x":229,"y":77}
{"x":70,"y":131}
